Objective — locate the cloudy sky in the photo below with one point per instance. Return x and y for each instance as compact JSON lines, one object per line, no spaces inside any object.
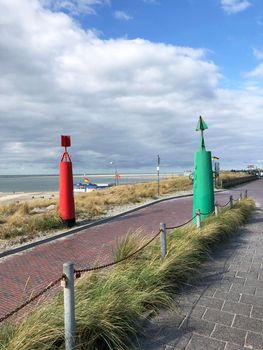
{"x":127,"y":79}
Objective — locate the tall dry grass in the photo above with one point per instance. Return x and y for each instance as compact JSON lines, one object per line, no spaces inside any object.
{"x":24,"y":221}
{"x":111,"y":305}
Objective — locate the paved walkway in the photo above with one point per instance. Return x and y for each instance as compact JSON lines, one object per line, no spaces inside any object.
{"x":222,"y":309}
{"x":27,"y":273}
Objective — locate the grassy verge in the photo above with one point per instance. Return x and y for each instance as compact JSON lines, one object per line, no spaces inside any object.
{"x":110,"y":305}
{"x":25,"y":221}
{"x":21,"y":222}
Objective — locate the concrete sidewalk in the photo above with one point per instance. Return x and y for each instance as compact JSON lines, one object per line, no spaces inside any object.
{"x":222,"y":309}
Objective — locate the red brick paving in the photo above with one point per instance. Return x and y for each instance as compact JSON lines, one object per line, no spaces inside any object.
{"x":39,"y":266}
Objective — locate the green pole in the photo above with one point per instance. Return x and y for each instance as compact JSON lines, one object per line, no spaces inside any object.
{"x":203,"y":187}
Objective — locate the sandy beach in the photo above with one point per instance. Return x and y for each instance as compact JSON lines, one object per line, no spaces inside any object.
{"x":13,"y":197}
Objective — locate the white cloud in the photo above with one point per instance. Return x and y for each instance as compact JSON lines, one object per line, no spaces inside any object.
{"x":234,"y":6}
{"x":122,"y":16}
{"x":74,"y":7}
{"x":119,"y":99}
{"x":256,"y":73}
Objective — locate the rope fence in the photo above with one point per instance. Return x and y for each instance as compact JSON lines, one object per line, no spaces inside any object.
{"x":29,"y":301}
{"x":181,"y":225}
{"x":70,"y":273}
{"x":223,"y":206}
{"x":78,"y":272}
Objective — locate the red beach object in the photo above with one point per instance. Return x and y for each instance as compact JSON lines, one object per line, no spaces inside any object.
{"x":66,"y":197}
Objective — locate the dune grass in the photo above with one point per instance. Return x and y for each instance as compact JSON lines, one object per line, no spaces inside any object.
{"x":26,"y":220}
{"x":111,"y":305}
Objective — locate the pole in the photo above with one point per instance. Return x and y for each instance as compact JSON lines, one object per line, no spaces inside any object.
{"x":231,"y":202}
{"x":245,"y":193}
{"x":69,"y":306}
{"x":116,"y":175}
{"x":218,"y":180}
{"x":216,"y":209}
{"x":215,"y":173}
{"x":163,"y":240}
{"x":158,"y":173}
{"x":198,"y":218}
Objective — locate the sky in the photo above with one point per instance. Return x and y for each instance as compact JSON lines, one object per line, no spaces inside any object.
{"x":127,"y":80}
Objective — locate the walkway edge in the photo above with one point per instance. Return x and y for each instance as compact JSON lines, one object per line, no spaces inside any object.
{"x":83,"y":227}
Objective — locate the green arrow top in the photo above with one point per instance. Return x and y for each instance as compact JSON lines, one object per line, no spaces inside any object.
{"x":201,"y":126}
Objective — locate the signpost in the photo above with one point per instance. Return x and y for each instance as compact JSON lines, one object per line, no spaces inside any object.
{"x":158,"y":173}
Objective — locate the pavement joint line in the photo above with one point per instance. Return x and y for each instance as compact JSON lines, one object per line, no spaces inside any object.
{"x":235,"y":315}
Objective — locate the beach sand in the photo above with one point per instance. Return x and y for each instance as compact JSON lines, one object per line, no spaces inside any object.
{"x":14,"y":197}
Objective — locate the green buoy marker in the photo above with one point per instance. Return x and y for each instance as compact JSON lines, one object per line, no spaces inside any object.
{"x":203,"y":177}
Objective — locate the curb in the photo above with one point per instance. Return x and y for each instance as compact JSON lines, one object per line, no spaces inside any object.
{"x":83,"y":227}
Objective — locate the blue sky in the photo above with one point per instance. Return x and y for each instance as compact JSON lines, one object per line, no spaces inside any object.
{"x":230,"y":37}
{"x":128,"y":80}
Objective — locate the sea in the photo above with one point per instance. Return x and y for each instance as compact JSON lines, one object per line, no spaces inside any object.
{"x":46,"y":183}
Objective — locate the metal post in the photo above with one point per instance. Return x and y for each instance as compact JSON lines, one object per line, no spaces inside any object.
{"x":69,"y":306}
{"x":163,"y":240}
{"x":245,"y":193}
{"x":216,"y":209}
{"x":231,"y":201}
{"x":198,"y":218}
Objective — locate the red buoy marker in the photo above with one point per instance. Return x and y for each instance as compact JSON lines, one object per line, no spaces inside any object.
{"x":66,"y":197}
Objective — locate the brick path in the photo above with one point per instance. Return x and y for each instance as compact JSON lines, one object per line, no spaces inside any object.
{"x":222,"y":309}
{"x":36,"y":268}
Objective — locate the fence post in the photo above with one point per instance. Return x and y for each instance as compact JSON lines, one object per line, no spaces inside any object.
{"x":240,"y":196}
{"x":163,"y":240}
{"x":245,"y":193}
{"x":231,"y":202}
{"x":216,"y":209}
{"x":69,"y":306}
{"x":198,"y":218}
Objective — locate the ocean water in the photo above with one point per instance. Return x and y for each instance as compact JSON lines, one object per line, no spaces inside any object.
{"x":39,"y":183}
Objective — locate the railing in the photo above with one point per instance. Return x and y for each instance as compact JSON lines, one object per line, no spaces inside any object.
{"x":70,"y":273}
